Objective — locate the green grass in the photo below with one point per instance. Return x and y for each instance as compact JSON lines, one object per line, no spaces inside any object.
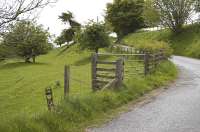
{"x":22,"y":85}
{"x":187,"y":43}
{"x":80,"y":111}
{"x":23,"y":104}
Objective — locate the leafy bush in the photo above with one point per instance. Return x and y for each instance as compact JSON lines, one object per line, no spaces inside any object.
{"x":93,"y":36}
{"x":125,"y":16}
{"x":27,"y":40}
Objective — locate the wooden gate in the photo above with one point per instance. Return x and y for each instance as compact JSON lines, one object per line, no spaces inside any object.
{"x":106,"y":74}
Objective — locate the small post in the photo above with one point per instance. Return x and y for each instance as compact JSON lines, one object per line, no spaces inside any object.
{"x":146,"y":64}
{"x":49,"y":97}
{"x":94,"y":71}
{"x":119,"y":72}
{"x":66,"y":80}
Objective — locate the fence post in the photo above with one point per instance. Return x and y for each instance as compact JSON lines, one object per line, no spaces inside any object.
{"x":146,"y":63}
{"x":49,"y":97}
{"x":94,"y":71}
{"x":119,"y":72}
{"x":66,"y":80}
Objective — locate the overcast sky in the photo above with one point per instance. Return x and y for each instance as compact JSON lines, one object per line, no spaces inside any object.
{"x":82,"y":9}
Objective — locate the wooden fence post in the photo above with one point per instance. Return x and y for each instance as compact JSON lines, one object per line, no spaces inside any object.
{"x":146,"y":64}
{"x":94,"y":71}
{"x":119,"y":72}
{"x":49,"y":97}
{"x":66,"y":80}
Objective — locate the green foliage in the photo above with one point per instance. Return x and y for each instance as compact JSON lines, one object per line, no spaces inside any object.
{"x":6,"y":52}
{"x":69,"y":18}
{"x":151,"y":15}
{"x":27,"y":40}
{"x":187,"y":43}
{"x":60,"y":40}
{"x":93,"y":36}
{"x":66,"y":17}
{"x":125,"y":16}
{"x":67,"y":35}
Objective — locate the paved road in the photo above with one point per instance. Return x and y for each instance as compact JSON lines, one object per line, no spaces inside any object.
{"x":175,"y":110}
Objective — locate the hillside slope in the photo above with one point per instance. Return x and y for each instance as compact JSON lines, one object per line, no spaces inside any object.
{"x":186,"y":43}
{"x":22,"y":85}
{"x":23,"y":102}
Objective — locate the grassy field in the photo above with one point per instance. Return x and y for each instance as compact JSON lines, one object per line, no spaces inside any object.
{"x":23,"y":104}
{"x":22,"y":85}
{"x":186,"y":43}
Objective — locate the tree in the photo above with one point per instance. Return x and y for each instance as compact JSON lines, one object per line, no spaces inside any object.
{"x":150,"y":14}
{"x":93,"y":36}
{"x":69,"y":18}
{"x":174,"y":13}
{"x":12,"y":10}
{"x":125,"y":16}
{"x":60,"y":40}
{"x":66,"y":36}
{"x":27,"y":40}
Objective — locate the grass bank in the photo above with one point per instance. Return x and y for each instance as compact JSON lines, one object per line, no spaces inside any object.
{"x":187,"y":43}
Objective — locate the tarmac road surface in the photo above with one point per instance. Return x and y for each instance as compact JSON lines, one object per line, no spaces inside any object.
{"x":177,"y":109}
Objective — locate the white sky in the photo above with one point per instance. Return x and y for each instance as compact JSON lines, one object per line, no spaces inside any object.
{"x":83,"y":10}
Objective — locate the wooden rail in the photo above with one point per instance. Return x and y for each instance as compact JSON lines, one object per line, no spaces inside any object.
{"x":101,"y":77}
{"x":110,"y":54}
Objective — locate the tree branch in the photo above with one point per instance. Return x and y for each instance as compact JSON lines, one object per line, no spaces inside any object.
{"x":11,"y":10}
